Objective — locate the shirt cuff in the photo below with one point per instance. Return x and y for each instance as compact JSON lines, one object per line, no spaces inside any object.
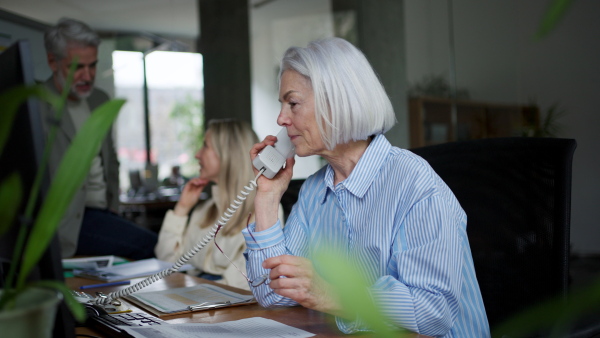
{"x":263,"y":239}
{"x":351,"y":326}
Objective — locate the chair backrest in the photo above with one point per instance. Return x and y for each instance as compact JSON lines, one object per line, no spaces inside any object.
{"x":517,"y":196}
{"x":290,"y":196}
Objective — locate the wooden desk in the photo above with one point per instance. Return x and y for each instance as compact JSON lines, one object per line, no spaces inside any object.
{"x":321,"y":324}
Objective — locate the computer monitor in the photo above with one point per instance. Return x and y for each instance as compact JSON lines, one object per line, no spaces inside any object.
{"x":23,"y":153}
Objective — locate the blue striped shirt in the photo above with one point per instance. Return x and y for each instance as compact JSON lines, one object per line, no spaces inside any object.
{"x":397,"y":220}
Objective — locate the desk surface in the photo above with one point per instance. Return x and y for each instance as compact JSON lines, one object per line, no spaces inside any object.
{"x":321,"y":324}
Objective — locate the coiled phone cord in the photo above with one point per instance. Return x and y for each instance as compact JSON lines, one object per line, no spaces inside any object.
{"x":106,"y":300}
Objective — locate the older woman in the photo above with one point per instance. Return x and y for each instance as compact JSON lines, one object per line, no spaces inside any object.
{"x":383,"y":207}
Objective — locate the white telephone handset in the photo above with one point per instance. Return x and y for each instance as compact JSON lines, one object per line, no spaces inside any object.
{"x":273,"y":158}
{"x":269,"y":161}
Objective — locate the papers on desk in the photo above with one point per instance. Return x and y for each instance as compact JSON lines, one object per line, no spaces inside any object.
{"x":141,"y":268}
{"x":256,"y":327}
{"x":193,"y":298}
{"x":97,"y":262}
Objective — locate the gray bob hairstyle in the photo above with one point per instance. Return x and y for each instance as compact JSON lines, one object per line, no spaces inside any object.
{"x":350,"y":102}
{"x":69,"y":31}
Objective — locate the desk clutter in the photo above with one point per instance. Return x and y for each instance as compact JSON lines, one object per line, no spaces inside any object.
{"x":142,"y":313}
{"x":181,"y":300}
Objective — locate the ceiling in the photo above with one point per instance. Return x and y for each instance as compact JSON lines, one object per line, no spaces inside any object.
{"x":173,"y":18}
{"x":170,"y":18}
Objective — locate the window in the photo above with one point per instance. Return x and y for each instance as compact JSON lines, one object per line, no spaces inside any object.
{"x":175,"y":101}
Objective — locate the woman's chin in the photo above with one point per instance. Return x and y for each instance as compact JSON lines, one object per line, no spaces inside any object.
{"x":301,"y":152}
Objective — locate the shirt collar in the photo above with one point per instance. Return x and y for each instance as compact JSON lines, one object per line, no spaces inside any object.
{"x":365,"y":171}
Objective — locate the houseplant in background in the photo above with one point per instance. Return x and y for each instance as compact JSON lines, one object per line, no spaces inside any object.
{"x":35,"y":236}
{"x":549,"y":126}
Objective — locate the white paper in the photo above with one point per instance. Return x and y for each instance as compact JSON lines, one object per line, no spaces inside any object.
{"x":144,"y":267}
{"x":97,"y":262}
{"x":255,"y":327}
{"x":179,"y":299}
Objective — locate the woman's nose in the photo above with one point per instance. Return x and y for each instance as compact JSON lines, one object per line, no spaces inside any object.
{"x":283,"y":119}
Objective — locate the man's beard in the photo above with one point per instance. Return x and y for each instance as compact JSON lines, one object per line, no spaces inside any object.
{"x":73,"y":90}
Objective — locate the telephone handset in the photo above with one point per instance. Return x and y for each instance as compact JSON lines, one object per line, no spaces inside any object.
{"x":268,"y":162}
{"x":273,"y":158}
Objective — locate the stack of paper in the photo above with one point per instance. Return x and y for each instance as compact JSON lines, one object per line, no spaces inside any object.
{"x":145,"y":267}
{"x":255,"y":327}
{"x":97,"y":262}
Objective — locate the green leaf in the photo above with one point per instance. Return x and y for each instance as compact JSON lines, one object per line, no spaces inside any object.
{"x":11,"y":193}
{"x":552,"y":17}
{"x":77,"y":309}
{"x":70,"y":174}
{"x":353,"y":292}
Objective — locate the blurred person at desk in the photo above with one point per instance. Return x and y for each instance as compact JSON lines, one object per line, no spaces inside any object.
{"x":381,"y":207}
{"x":90,"y":226}
{"x":225,"y":143}
{"x":175,"y":179}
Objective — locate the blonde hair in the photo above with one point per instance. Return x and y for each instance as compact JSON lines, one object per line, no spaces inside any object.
{"x":232,"y":140}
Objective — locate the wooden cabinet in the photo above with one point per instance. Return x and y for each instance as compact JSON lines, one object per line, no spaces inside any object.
{"x":438,"y":120}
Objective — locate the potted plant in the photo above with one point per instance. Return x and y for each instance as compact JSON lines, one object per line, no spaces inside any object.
{"x":71,"y":173}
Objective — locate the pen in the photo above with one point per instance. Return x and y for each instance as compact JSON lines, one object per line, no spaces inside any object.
{"x":208,"y":305}
{"x":123,"y":282}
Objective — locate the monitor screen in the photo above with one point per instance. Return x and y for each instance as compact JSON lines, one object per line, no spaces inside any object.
{"x":23,"y":153}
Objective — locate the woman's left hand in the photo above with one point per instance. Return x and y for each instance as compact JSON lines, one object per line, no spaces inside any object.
{"x":301,"y":283}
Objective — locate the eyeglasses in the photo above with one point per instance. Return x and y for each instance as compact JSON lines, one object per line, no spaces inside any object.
{"x":262,"y":279}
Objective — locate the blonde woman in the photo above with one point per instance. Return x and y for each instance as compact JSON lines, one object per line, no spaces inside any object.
{"x":221,"y":159}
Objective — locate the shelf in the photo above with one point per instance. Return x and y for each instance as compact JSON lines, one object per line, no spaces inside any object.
{"x":437,"y":120}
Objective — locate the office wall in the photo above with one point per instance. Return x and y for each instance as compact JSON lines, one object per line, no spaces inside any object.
{"x":498,"y":60}
{"x":563,"y":68}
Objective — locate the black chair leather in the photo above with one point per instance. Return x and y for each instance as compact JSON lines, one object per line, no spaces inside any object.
{"x":290,"y":196}
{"x":517,"y":196}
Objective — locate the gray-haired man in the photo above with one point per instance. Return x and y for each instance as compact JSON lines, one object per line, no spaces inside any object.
{"x":90,"y":225}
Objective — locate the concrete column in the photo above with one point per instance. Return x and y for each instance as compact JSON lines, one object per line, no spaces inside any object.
{"x":225,"y":46}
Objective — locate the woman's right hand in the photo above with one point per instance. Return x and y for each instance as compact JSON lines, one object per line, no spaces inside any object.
{"x":270,"y":191}
{"x":189,"y":196}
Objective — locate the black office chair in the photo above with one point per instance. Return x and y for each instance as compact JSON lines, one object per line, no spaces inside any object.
{"x":290,"y":196}
{"x":517,"y":196}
